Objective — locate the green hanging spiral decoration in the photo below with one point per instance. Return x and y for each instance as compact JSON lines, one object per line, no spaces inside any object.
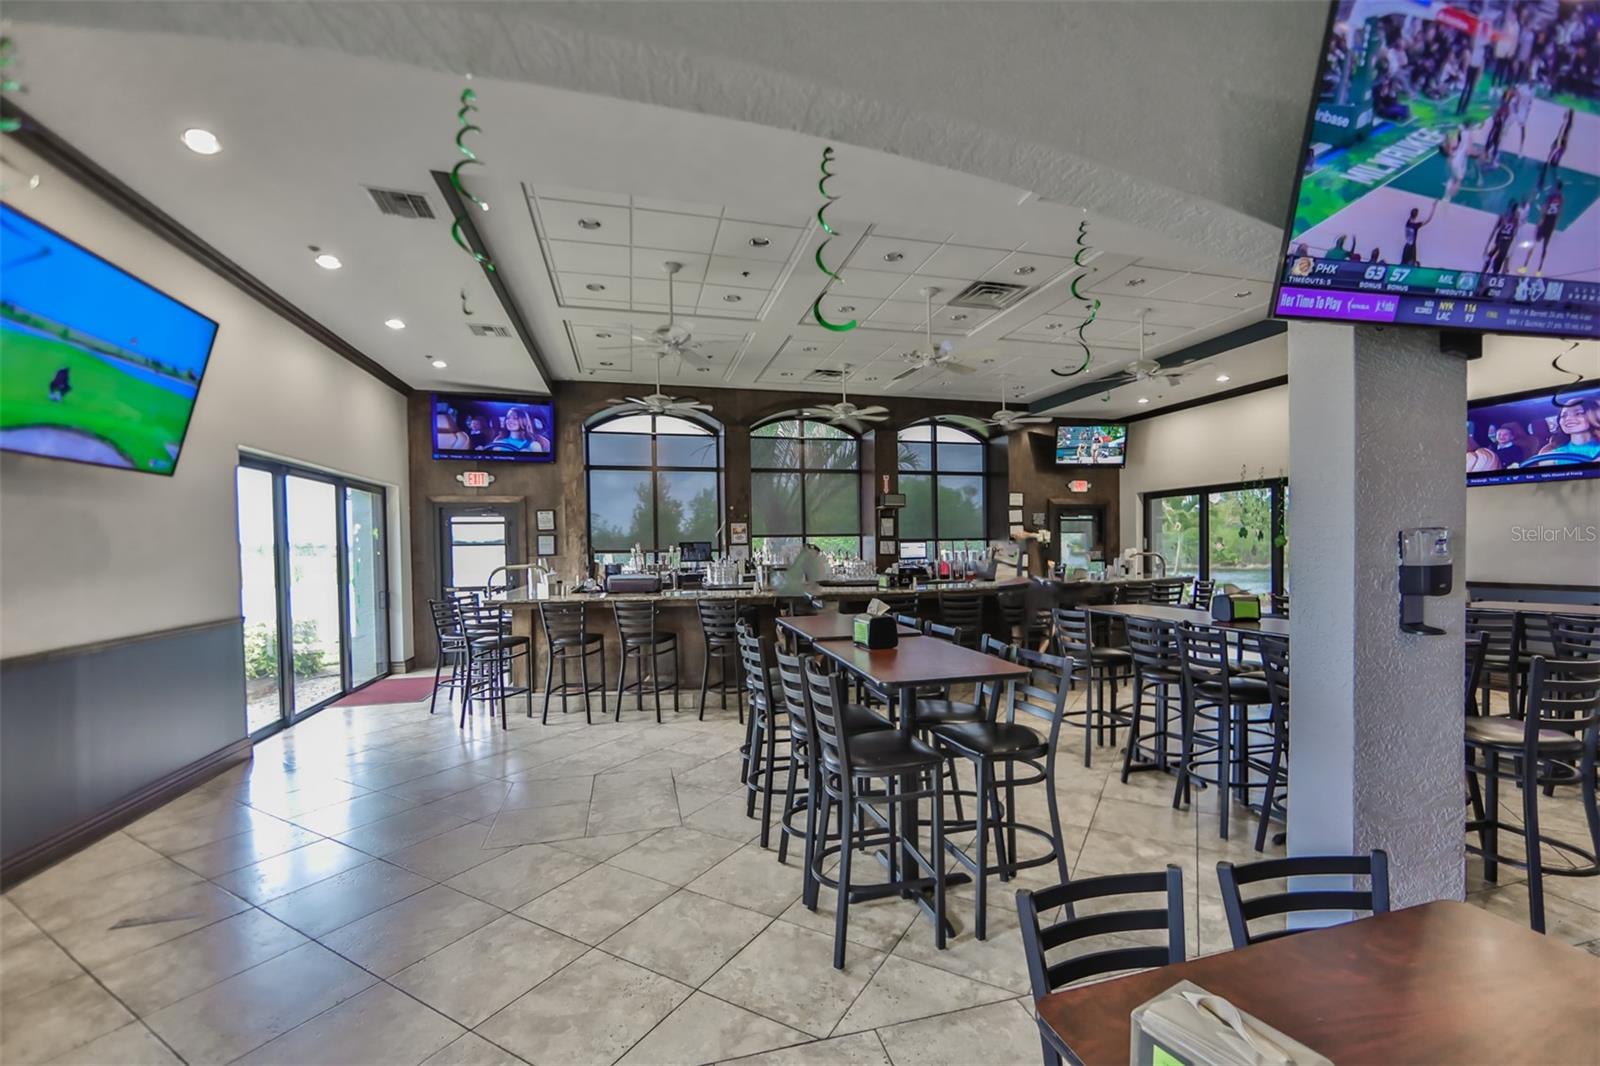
{"x":8,"y":84}
{"x":469,"y":104}
{"x":1091,"y":306}
{"x":832,"y":275}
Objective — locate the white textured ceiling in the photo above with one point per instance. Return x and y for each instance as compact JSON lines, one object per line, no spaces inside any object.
{"x":304,"y":129}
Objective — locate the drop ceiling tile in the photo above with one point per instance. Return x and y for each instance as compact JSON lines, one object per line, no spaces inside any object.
{"x":876,"y":283}
{"x":746,"y":273}
{"x":647,"y":263}
{"x":959,"y":319}
{"x":585,"y":196}
{"x":1190,"y":287}
{"x":843,"y":308}
{"x":561,"y":222}
{"x":899,"y":312}
{"x":871,"y":254}
{"x":577,"y":257}
{"x":962,"y":261}
{"x":911,"y":288}
{"x":1106,"y":329}
{"x":1189,"y":316}
{"x":802,"y":348}
{"x":685,"y":294}
{"x":742,"y":299}
{"x":681,"y":207}
{"x":1043,"y":268}
{"x":734,"y":239}
{"x":1135,"y":280}
{"x":1155,"y":336}
{"x":1240,"y":295}
{"x":1115,"y":308}
{"x":662,"y":229}
{"x":577,"y":287}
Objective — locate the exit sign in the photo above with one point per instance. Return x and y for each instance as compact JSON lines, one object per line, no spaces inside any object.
{"x":1077,"y":486}
{"x":475,"y":479}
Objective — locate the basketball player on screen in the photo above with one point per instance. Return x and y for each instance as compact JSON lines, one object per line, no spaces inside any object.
{"x":1549,"y":215}
{"x":1498,"y":248}
{"x":1413,"y":225}
{"x":1558,"y":148}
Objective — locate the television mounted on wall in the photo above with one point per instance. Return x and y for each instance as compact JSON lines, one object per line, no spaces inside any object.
{"x":1535,"y":436}
{"x":490,"y":428}
{"x":1100,"y":444}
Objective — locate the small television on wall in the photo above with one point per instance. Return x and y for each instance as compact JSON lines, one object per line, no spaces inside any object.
{"x":95,"y":365}
{"x":1540,"y":435}
{"x":493,"y":428}
{"x":1450,"y":169}
{"x":1101,"y":444}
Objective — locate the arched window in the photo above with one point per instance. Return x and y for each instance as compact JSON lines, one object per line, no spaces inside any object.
{"x":654,"y":481}
{"x":805,"y":485}
{"x":942,"y":469}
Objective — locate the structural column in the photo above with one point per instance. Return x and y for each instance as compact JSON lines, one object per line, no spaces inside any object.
{"x":1375,"y":760}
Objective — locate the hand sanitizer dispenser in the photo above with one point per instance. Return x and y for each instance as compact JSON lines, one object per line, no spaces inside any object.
{"x":1426,"y":569}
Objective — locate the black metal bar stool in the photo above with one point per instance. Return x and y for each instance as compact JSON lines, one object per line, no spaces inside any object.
{"x":1200,"y":593}
{"x":1167,"y":593}
{"x":1502,"y":658}
{"x":1216,"y":695}
{"x":962,"y":612}
{"x":1275,"y":669}
{"x":767,"y":731}
{"x":1153,"y":646}
{"x":718,"y":619}
{"x":568,"y":639}
{"x":1098,"y":668}
{"x":491,"y":654}
{"x":643,"y":642}
{"x":452,"y":650}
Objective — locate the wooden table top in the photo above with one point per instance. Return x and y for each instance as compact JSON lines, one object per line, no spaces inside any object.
{"x":920,"y":661}
{"x":1445,"y":982}
{"x":831,"y":626}
{"x":1577,"y":610}
{"x":1276,"y":625}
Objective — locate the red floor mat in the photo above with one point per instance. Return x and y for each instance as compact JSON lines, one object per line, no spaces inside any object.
{"x":390,"y":690}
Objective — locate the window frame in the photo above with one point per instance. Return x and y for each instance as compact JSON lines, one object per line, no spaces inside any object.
{"x":655,"y":468}
{"x":804,"y":535}
{"x":935,"y":425}
{"x":1278,"y":489}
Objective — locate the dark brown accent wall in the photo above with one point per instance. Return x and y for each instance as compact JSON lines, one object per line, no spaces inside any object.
{"x":1023,"y":463}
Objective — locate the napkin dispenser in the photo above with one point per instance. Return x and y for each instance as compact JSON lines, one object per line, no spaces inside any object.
{"x":1187,"y":1025}
{"x":1235,"y":607}
{"x":874,"y":631}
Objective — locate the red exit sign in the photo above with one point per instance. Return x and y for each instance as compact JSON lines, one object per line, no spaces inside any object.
{"x":475,"y":479}
{"x":1077,"y":486}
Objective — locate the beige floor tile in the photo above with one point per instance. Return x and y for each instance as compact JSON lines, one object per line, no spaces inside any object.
{"x":752,"y":878}
{"x":902,"y":991}
{"x":692,"y":799}
{"x":379,"y":1025}
{"x":207,"y":828}
{"x":438,"y":786}
{"x":261,"y":841}
{"x":389,"y":940}
{"x":477,"y":975}
{"x":787,"y":974}
{"x":719,"y":772}
{"x":877,"y":924}
{"x":290,"y":797}
{"x":293,"y":870}
{"x":90,"y":866}
{"x":341,"y":899}
{"x":472,"y":1050}
{"x":478,"y":804}
{"x":676,"y":856}
{"x":997,"y":960}
{"x":29,"y":960}
{"x":600,"y":848}
{"x":592,"y":1011}
{"x":538,"y":825}
{"x":186,"y":808}
{"x":556,"y":792}
{"x":247,"y":1010}
{"x":147,"y":922}
{"x":686,"y":937}
{"x":1145,"y":821}
{"x":1113,"y":853}
{"x":55,"y":1020}
{"x":130,"y":887}
{"x":1000,"y":1033}
{"x":132,"y":1045}
{"x":596,"y":903}
{"x":451,"y":852}
{"x":400,"y":830}
{"x":348,"y":814}
{"x":1564,"y":920}
{"x":520,"y":875}
{"x":725,"y":818}
{"x":705,"y":1028}
{"x":160,"y":976}
{"x":857,"y":1049}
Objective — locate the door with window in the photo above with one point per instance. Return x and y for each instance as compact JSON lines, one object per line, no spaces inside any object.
{"x":313,"y":589}
{"x":1077,"y":537}
{"x":475,"y":540}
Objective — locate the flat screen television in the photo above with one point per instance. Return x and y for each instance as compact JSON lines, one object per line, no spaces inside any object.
{"x":493,"y":428}
{"x":1105,"y":444}
{"x":1542,"y":435}
{"x":95,"y":366}
{"x":1450,"y":170}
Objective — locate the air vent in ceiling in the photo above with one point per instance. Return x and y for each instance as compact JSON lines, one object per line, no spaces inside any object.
{"x":825,"y":374}
{"x":479,"y":329}
{"x":401,"y":204}
{"x":989,"y":295}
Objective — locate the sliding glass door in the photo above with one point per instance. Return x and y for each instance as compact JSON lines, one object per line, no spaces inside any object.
{"x":1233,"y":534}
{"x":315,"y":604}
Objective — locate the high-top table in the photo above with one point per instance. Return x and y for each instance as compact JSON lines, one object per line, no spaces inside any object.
{"x":1445,"y":982}
{"x":1272,"y":624}
{"x":1576,"y":610}
{"x":830,"y":626}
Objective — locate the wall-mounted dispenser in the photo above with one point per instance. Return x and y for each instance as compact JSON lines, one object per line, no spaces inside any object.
{"x":1426,"y":569}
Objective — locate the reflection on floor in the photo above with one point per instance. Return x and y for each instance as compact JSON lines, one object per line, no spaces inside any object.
{"x":379,"y":887}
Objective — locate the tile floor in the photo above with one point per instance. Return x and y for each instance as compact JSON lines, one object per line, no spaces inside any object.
{"x":379,"y":887}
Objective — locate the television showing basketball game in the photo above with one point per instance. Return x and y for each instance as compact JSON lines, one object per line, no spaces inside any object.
{"x":1451,"y":169}
{"x":95,"y":366}
{"x":1100,"y":445}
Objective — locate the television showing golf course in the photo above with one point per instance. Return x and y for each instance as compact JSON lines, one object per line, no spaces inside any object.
{"x":95,"y":365}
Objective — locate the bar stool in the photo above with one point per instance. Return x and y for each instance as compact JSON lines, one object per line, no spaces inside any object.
{"x":1279,"y":602}
{"x":1575,"y":636}
{"x":1503,"y":657}
{"x":1215,"y":694}
{"x":491,"y":654}
{"x":1167,"y":593}
{"x":1097,"y":667}
{"x":1275,"y":668}
{"x":452,"y":649}
{"x":1153,"y":646}
{"x":643,"y":642}
{"x":962,"y":612}
{"x":766,"y":732}
{"x":1133,"y":594}
{"x":717,"y":621}
{"x":993,"y":746}
{"x":848,"y":765}
{"x":1200,"y":593}
{"x":568,"y":639}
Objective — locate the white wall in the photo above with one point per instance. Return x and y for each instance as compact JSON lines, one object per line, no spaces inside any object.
{"x":90,"y":554}
{"x":1208,"y":445}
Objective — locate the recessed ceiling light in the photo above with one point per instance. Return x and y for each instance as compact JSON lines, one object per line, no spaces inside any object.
{"x":869,"y":379}
{"x":606,"y":362}
{"x":595,"y":286}
{"x":395,"y":323}
{"x":1222,"y":377}
{"x":1052,"y":325}
{"x":1144,"y":399}
{"x":1024,"y":271}
{"x":1149,"y":333}
{"x":703,"y":369}
{"x":809,"y":348}
{"x":588,"y":223}
{"x":733,"y":297}
{"x":439,"y":364}
{"x":845,"y":309}
{"x":602,"y":336}
{"x":785,"y":374}
{"x":1134,"y":283}
{"x":988,"y":361}
{"x":1241,"y":294}
{"x":201,"y":142}
{"x":893,"y":257}
{"x":744,"y":273}
{"x":958,"y":317}
{"x":327,"y":262}
{"x":759,"y":242}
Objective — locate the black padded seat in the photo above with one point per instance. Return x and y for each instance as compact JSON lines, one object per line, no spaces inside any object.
{"x":499,"y":643}
{"x":1510,"y":733}
{"x":1241,"y":689}
{"x":642,"y":639}
{"x":573,"y":642}
{"x":935,"y":711}
{"x":883,"y":751}
{"x":992,"y":738}
{"x":1110,"y":656}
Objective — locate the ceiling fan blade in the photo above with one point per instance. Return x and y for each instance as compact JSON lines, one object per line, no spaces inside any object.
{"x":907,"y":372}
{"x":874,"y":411}
{"x":960,"y":368}
{"x":854,"y":425}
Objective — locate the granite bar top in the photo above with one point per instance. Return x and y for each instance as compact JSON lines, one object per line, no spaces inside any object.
{"x":750,"y":595}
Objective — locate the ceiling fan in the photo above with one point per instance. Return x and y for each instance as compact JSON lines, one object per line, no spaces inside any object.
{"x":1147,"y":369}
{"x":1007,"y":420}
{"x":941,"y":357}
{"x":674,"y":338}
{"x":658,"y":403}
{"x":844,"y":413}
